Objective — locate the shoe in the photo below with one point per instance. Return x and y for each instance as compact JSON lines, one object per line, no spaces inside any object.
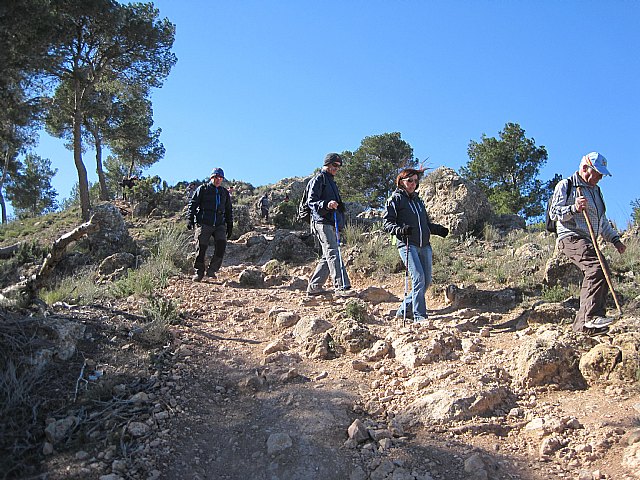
{"x":420,"y":320}
{"x":345,"y":292}
{"x":197,"y":277}
{"x":211,"y":274}
{"x":598,"y":322}
{"x":315,"y":293}
{"x":594,"y":332}
{"x":400,"y":315}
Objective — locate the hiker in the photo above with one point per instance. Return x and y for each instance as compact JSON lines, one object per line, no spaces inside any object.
{"x":567,"y":208}
{"x":210,"y":210}
{"x":406,"y":218}
{"x":263,"y":205}
{"x":327,"y":219}
{"x":127,"y":183}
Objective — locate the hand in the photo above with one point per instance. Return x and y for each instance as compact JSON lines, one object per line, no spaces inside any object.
{"x":190,"y":225}
{"x":621,"y":247}
{"x":580,"y":204}
{"x":444,"y":231}
{"x":406,"y":230}
{"x":332,"y":205}
{"x":229,"y":232}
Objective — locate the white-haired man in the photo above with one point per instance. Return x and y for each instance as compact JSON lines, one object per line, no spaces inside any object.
{"x":571,"y":198}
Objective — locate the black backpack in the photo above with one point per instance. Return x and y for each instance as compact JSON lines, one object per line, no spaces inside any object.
{"x":304,"y":212}
{"x":550,"y":225}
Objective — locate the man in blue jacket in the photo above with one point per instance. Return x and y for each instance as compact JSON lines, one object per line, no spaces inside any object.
{"x":327,"y":216}
{"x":210,"y":210}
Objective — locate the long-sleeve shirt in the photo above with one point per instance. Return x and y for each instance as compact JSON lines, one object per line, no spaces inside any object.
{"x":571,"y":222}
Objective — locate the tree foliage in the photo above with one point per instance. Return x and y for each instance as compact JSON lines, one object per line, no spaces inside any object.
{"x":368,"y":174}
{"x":506,"y":168}
{"x":104,"y":41}
{"x":30,"y":190}
{"x":635,"y":212}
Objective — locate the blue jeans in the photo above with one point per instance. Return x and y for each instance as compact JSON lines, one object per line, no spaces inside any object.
{"x":420,"y":269}
{"x":330,"y":263}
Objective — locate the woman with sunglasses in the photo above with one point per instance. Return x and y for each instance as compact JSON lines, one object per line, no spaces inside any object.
{"x":407,"y":219}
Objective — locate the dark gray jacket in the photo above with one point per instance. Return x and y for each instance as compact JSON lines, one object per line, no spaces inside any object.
{"x":323,"y":189}
{"x":404,"y":209}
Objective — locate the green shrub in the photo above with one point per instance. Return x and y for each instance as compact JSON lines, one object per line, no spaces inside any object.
{"x":554,"y":294}
{"x":80,"y":289}
{"x":168,"y":257}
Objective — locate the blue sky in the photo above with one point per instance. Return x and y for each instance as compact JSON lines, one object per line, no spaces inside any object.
{"x":264,"y":89}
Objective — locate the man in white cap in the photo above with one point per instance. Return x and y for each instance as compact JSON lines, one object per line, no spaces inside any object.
{"x":571,"y":198}
{"x":210,"y":210}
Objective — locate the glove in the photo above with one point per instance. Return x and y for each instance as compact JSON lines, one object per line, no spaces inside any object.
{"x":229,"y":231}
{"x":189,"y":224}
{"x":444,"y":231}
{"x":406,"y":230}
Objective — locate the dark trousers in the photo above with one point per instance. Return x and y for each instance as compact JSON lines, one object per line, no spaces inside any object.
{"x":202,"y":235}
{"x":593,"y":293}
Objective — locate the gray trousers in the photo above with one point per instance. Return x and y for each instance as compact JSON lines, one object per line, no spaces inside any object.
{"x":593,"y":293}
{"x":202,"y":235}
{"x":330,"y":263}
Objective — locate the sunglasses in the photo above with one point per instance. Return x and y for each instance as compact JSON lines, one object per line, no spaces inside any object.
{"x":336,"y":165}
{"x":409,"y":180}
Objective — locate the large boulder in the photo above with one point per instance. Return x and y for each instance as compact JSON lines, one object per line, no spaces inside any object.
{"x":113,"y":236}
{"x":560,"y":271}
{"x":615,"y":362}
{"x":547,"y":359}
{"x":455,"y":203}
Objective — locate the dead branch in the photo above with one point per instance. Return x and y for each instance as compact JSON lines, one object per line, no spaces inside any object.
{"x":24,"y":292}
{"x":9,"y":251}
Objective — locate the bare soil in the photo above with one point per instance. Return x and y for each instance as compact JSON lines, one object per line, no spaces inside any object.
{"x":214,"y":400}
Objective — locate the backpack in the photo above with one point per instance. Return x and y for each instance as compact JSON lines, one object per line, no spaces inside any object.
{"x":550,"y":225}
{"x":304,"y":211}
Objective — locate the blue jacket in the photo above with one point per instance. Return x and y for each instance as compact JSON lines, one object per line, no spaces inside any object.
{"x":211,"y":206}
{"x":404,"y":209}
{"x":323,"y":189}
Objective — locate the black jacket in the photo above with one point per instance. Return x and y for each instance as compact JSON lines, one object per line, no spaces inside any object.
{"x":211,"y":206}
{"x":402,"y":210}
{"x":323,"y":189}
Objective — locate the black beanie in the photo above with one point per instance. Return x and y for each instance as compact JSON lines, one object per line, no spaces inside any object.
{"x":332,"y":158}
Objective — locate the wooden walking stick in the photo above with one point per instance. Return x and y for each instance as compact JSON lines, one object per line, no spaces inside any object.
{"x":601,"y":259}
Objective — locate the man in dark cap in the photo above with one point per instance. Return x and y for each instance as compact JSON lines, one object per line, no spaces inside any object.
{"x":210,"y":210}
{"x":571,"y":199}
{"x":327,"y":219}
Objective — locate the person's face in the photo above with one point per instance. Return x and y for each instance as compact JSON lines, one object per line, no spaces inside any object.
{"x":333,"y":168}
{"x":410,"y":183}
{"x":217,"y":180}
{"x":591,"y":175}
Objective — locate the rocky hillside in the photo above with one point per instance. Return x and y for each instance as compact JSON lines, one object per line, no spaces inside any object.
{"x":244,"y":377}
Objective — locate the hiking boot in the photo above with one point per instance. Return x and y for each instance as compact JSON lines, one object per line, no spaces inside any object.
{"x":211,"y":274}
{"x":345,"y":293}
{"x":598,"y":322}
{"x":400,"y":315}
{"x":197,"y":277}
{"x":420,"y":320}
{"x":594,"y":332}
{"x":315,"y":293}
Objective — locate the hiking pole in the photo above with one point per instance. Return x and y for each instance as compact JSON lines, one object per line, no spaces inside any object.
{"x":601,"y":259}
{"x":335,"y":221}
{"x":406,"y":281}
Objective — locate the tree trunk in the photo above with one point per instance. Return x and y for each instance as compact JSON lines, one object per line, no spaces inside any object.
{"x":104,"y":192}
{"x":83,"y":183}
{"x":5,"y":166}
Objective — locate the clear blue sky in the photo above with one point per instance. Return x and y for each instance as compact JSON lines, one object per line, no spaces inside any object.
{"x":265,"y":88}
